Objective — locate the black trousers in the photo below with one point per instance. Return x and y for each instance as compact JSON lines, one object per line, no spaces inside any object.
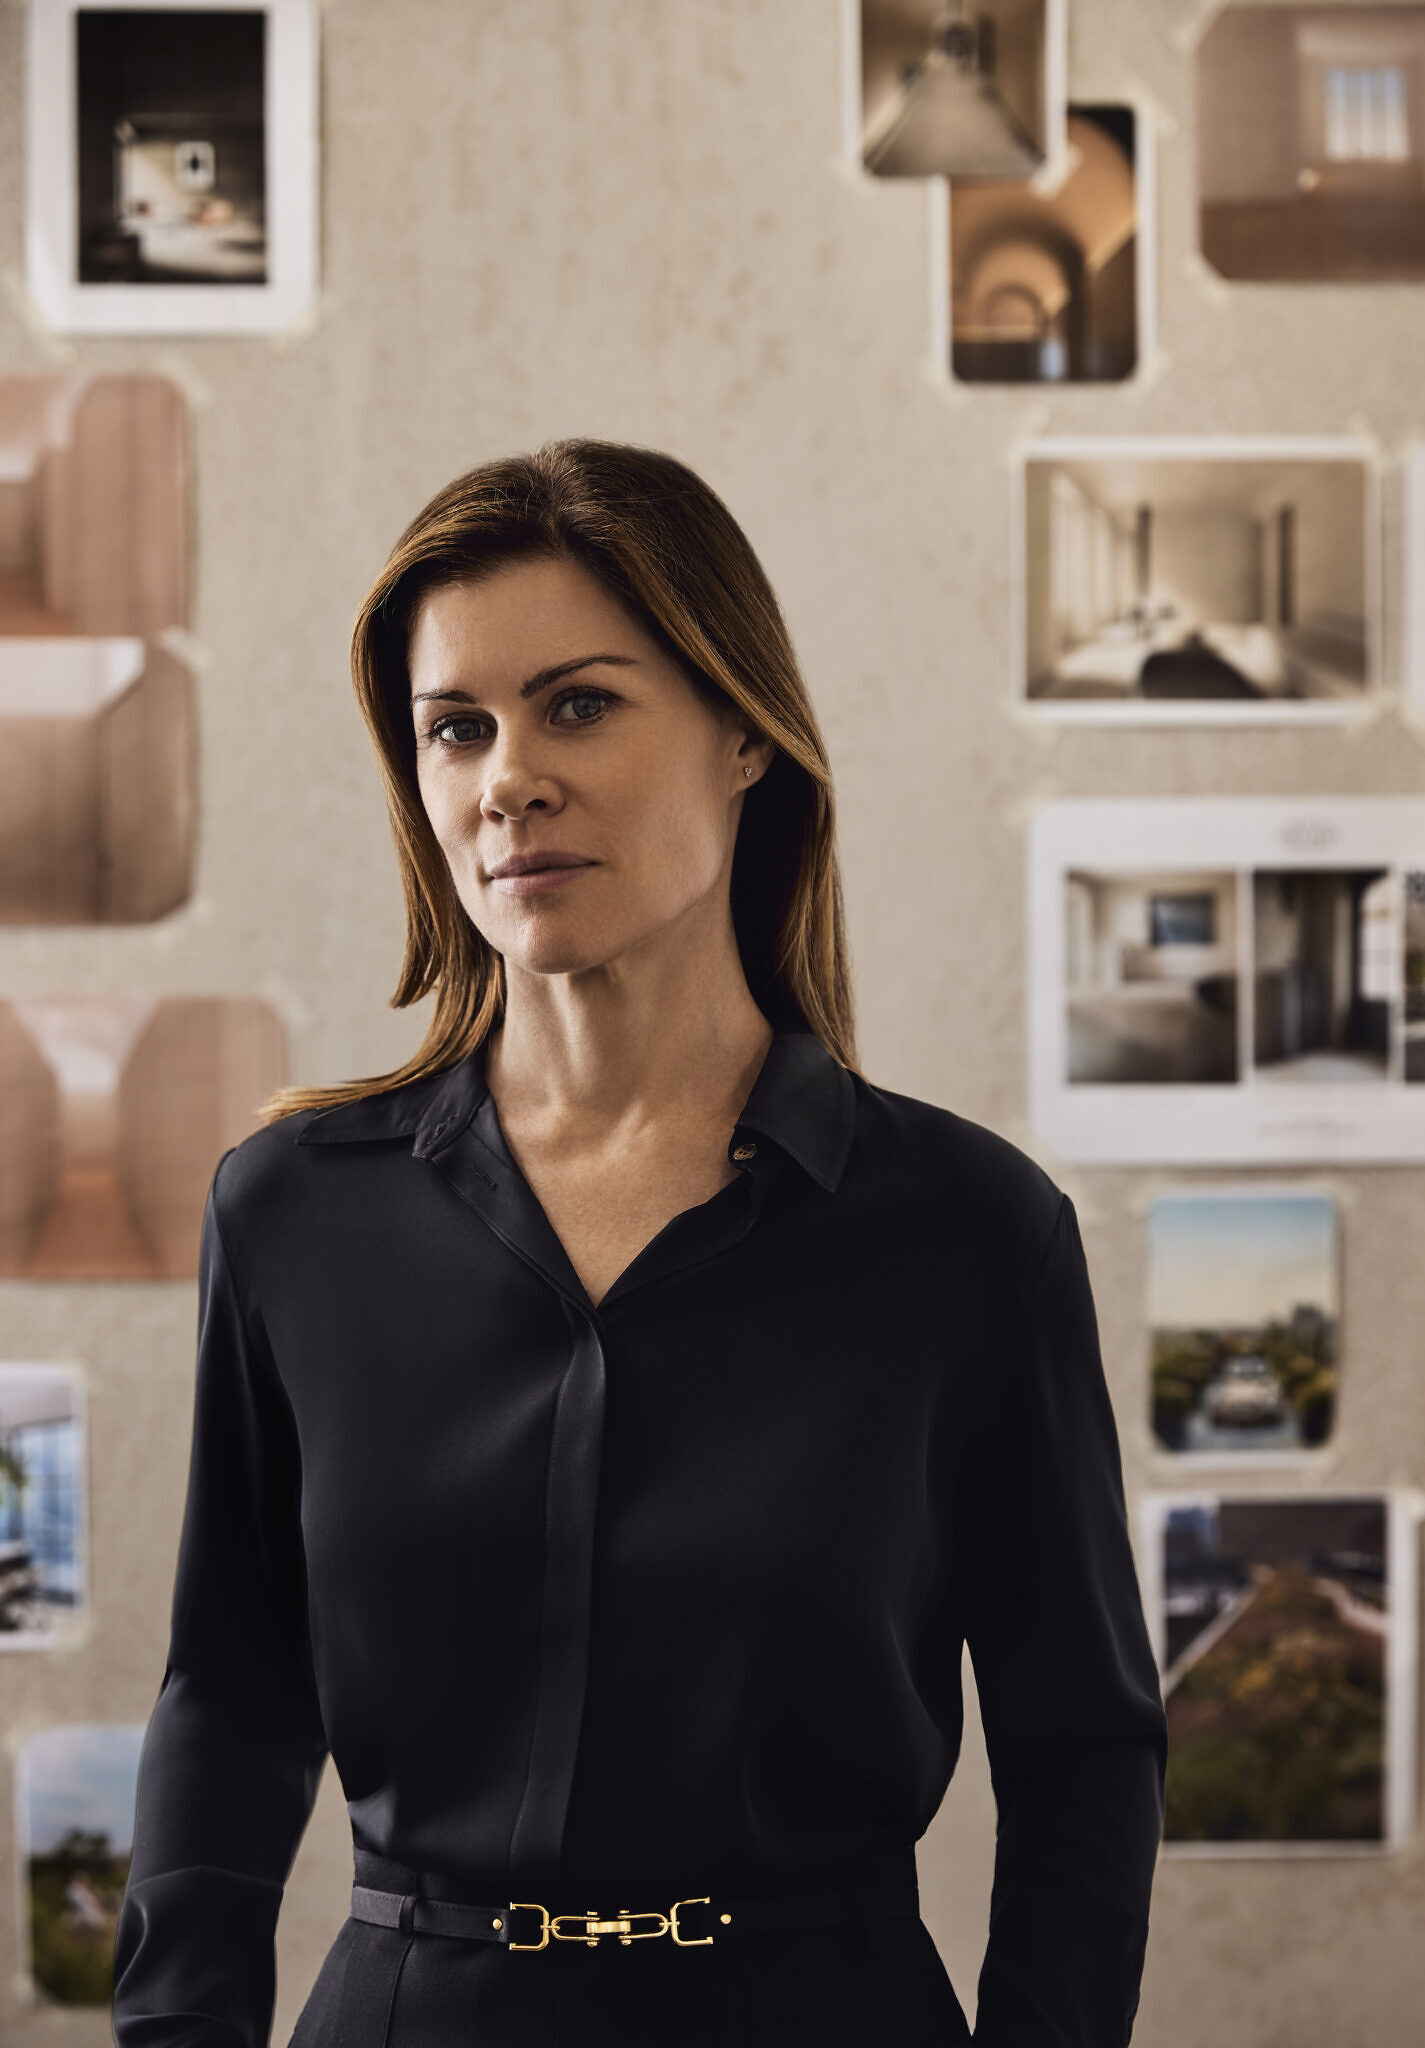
{"x":828,"y":1987}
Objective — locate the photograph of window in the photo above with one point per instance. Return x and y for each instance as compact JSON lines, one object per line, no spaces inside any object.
{"x":1285,"y":1631}
{"x":1243,"y":1320}
{"x":118,"y":1110}
{"x":1326,"y":971}
{"x":959,"y":88}
{"x":75,"y":1791}
{"x":172,"y":164}
{"x":97,"y":795}
{"x":1413,"y":920}
{"x":1046,"y":287}
{"x":43,"y":1594}
{"x":1187,"y":581}
{"x":1311,"y":142}
{"x":1228,"y":979}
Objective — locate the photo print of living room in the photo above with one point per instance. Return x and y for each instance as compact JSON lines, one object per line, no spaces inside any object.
{"x":1196,"y":581}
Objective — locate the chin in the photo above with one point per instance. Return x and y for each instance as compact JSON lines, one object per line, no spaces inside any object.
{"x":553,"y":951}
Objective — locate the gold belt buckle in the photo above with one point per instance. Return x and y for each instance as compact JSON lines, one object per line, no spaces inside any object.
{"x":592,"y":1927}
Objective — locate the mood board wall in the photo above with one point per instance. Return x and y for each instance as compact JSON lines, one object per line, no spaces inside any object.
{"x":651,"y":220}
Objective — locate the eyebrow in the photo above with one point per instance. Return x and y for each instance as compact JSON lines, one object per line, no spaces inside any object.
{"x":541,"y":680}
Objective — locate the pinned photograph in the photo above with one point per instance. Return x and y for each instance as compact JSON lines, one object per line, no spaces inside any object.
{"x":1413,"y":1025}
{"x":43,"y":1590}
{"x":1229,"y":980}
{"x":1191,"y":581}
{"x":1151,"y":981}
{"x":97,"y":798}
{"x":959,"y":88}
{"x":172,"y":164}
{"x":119,"y":1111}
{"x":1285,"y":1631}
{"x":1244,"y":1321}
{"x":1053,"y":287}
{"x":75,"y":1791}
{"x":1311,"y":143}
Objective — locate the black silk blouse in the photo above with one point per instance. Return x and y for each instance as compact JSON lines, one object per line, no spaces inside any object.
{"x":658,"y":1597}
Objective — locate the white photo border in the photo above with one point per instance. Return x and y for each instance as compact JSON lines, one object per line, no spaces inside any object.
{"x":1234,"y":1123}
{"x":51,"y":201}
{"x":1404,"y":1511}
{"x":1350,"y":448}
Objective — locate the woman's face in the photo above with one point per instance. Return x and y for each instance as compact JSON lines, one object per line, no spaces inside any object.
{"x":547,"y":721}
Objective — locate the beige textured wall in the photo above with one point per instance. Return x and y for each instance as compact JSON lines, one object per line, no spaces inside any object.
{"x":627,"y":218}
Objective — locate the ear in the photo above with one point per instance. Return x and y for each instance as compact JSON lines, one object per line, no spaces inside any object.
{"x":754,"y":751}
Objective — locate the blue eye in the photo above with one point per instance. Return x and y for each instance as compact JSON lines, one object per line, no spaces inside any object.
{"x":442,"y":729}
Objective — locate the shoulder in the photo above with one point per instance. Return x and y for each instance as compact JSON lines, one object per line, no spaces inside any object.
{"x":967,"y":1179}
{"x":289,"y":1154}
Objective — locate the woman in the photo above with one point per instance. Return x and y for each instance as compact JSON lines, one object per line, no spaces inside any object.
{"x":610,"y":1426}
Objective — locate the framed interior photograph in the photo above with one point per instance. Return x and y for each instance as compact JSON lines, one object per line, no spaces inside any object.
{"x":1057,"y":287}
{"x":1311,"y":143}
{"x":98,"y":793}
{"x":75,"y":1788}
{"x":121,"y":1107}
{"x":1243,"y":1322}
{"x":1413,"y":595}
{"x":956,"y":88}
{"x":1229,"y":980}
{"x":172,"y":165}
{"x":44,"y":1593}
{"x":1196,"y":580}
{"x":1285,"y":1629}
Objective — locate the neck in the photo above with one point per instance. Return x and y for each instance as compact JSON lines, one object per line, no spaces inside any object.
{"x":633,"y":1044}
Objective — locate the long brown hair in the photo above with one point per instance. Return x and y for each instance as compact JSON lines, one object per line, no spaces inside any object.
{"x":668,"y":548}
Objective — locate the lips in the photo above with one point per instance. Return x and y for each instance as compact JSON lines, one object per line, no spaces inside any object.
{"x":536,"y":863}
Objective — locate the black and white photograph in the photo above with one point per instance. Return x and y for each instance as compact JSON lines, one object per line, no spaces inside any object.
{"x":1218,"y":580}
{"x":44,"y":1602}
{"x":1311,"y":143}
{"x":74,"y":1786}
{"x":1286,"y":1636}
{"x":172,"y":165}
{"x":958,"y":88}
{"x":1244,"y":1321}
{"x":1056,"y":287}
{"x":1228,"y":979}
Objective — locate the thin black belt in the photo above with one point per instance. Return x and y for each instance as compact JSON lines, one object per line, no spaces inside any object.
{"x":693,"y":1923}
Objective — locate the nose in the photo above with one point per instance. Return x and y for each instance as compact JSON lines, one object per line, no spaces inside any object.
{"x":514,"y":780}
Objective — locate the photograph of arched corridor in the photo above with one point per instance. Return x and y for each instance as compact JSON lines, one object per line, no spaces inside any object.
{"x":1045,"y":287}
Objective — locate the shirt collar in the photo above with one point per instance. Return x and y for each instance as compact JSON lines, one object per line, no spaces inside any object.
{"x":803,"y":1099}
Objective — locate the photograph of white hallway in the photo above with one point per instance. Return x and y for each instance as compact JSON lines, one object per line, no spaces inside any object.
{"x":1196,"y":580}
{"x":957,"y":88}
{"x":1228,"y":979}
{"x":1056,"y":287}
{"x":1311,"y":143}
{"x":1243,"y":1320}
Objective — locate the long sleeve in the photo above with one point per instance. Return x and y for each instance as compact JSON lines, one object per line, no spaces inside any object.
{"x":1068,"y":1687}
{"x":234,"y":1748}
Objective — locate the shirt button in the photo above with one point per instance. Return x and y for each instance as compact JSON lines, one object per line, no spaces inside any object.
{"x":744,"y":1151}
